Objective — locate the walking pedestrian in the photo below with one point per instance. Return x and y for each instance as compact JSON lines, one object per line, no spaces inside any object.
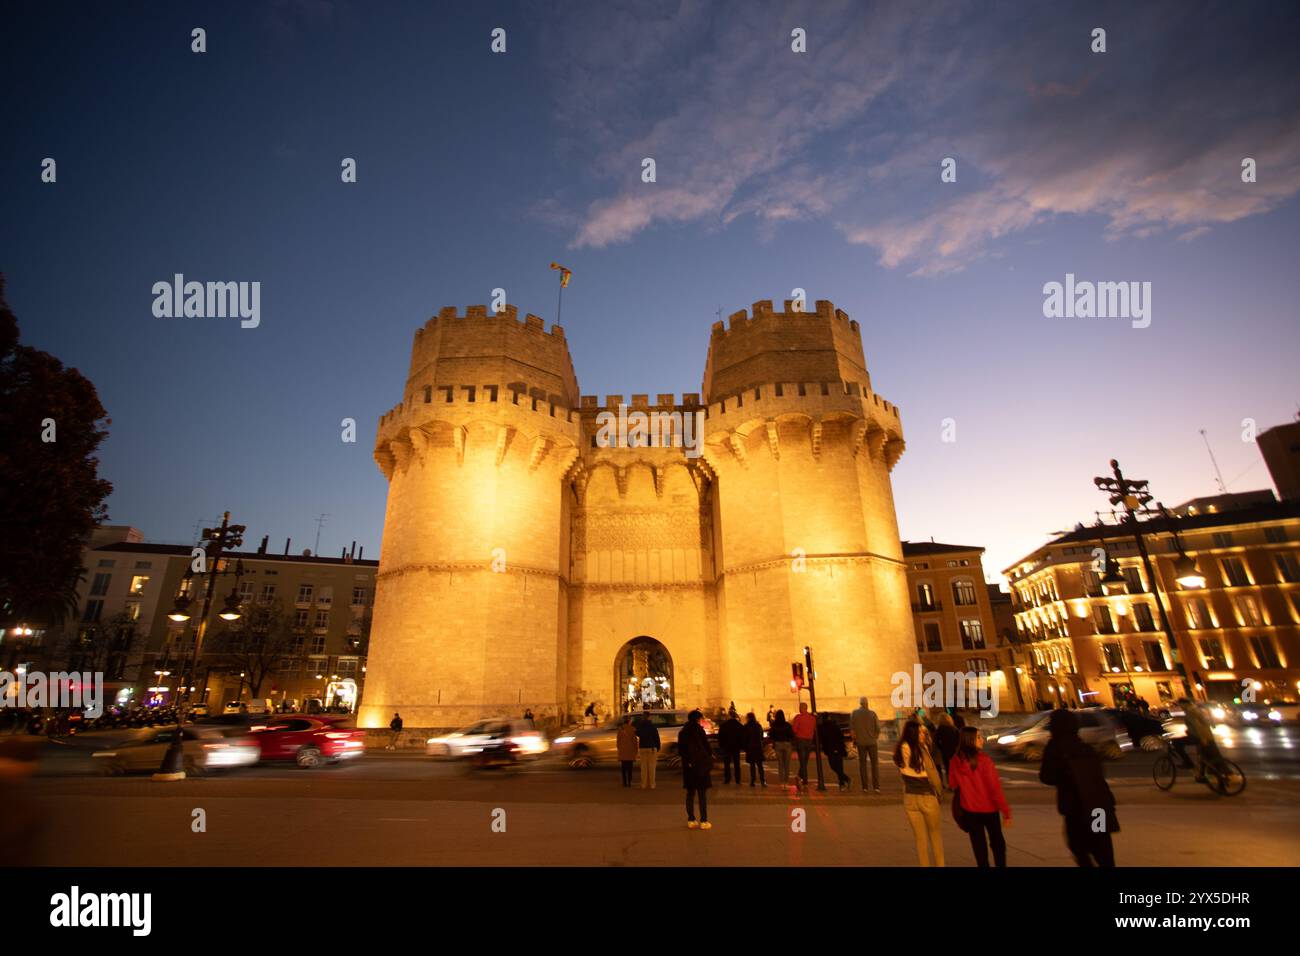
{"x":804,"y":726}
{"x":979,"y":795}
{"x":782,"y":736}
{"x":697,"y":766}
{"x":865,"y":726}
{"x":922,"y":791}
{"x":946,"y":739}
{"x":731,"y":740}
{"x":627,"y":749}
{"x":754,"y":750}
{"x":832,"y":740}
{"x":647,"y":736}
{"x":770,"y":710}
{"x":395,"y":726}
{"x":1082,"y":795}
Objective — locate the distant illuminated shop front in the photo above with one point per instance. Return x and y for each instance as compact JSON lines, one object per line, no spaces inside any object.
{"x":643,"y":676}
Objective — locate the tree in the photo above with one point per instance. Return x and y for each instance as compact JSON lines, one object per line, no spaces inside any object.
{"x":256,"y":643}
{"x":51,"y":496}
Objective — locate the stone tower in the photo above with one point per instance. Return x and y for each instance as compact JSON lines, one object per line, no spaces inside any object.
{"x":470,"y":601}
{"x":808,"y":549}
{"x":529,"y":561}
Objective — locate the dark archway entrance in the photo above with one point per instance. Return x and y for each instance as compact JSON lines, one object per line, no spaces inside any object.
{"x":643,"y":677}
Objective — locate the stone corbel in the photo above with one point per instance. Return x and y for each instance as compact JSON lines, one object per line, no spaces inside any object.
{"x":504,"y":434}
{"x":773,"y":441}
{"x":541,"y":445}
{"x":815,"y":434}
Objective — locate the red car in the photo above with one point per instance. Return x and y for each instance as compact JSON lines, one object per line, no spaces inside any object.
{"x":308,"y":741}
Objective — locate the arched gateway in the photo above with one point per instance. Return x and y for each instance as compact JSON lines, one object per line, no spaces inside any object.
{"x":643,"y":676}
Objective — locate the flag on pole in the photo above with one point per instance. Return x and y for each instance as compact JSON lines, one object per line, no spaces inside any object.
{"x":565,"y":274}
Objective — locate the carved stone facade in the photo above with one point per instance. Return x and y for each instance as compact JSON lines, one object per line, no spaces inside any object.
{"x":528,"y":562}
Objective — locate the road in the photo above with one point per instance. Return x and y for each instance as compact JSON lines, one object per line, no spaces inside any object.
{"x":404,"y":809}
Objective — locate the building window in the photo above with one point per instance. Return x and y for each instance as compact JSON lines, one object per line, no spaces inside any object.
{"x":318,"y":644}
{"x":347,"y":667}
{"x":952,"y":564}
{"x":980,"y":665}
{"x":325,"y":596}
{"x":933,"y":638}
{"x":322,"y":619}
{"x":1133,"y":580}
{"x":133,"y":610}
{"x":358,"y":597}
{"x":99,"y":586}
{"x":1275,"y":534}
{"x":318,"y":666}
{"x":1142,"y":617}
{"x":1114,"y":653}
{"x":138,"y":583}
{"x":921,"y":566}
{"x":1248,"y":611}
{"x":300,"y":618}
{"x":1105,"y":623}
{"x":305,"y":593}
{"x":107,"y":563}
{"x":1234,"y":572}
{"x":1212,"y":653}
{"x":1288,"y":568}
{"x":1265,"y":651}
{"x":1198,"y":613}
{"x":268,"y":593}
{"x":925,"y":597}
{"x":92,"y":612}
{"x":144,"y":565}
{"x":972,"y":635}
{"x":245,"y":592}
{"x":290,"y":665}
{"x":1155,"y":652}
{"x":963,"y":593}
{"x":1223,"y":539}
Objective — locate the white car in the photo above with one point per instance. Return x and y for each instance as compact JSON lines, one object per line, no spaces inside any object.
{"x":472,"y":739}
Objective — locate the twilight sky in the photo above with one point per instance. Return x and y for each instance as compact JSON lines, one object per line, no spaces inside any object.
{"x":776,"y":170}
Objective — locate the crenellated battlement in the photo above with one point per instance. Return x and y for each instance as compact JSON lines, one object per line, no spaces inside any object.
{"x":480,"y":313}
{"x":763,"y":309}
{"x":591,"y":403}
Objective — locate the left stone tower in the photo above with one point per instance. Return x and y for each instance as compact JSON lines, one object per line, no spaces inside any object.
{"x":472,"y":596}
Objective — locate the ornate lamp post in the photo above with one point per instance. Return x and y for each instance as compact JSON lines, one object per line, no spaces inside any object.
{"x":226,"y":538}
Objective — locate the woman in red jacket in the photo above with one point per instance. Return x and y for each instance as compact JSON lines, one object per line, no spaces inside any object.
{"x":972,"y":774}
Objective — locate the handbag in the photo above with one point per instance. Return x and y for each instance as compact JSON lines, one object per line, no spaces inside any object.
{"x":958,"y":813}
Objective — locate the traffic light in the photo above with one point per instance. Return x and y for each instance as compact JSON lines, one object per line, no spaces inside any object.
{"x":796,"y":674}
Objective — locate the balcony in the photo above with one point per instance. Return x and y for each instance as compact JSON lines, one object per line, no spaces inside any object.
{"x":931,"y":608}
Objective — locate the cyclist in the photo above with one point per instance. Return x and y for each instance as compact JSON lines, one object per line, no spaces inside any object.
{"x":1200,"y":733}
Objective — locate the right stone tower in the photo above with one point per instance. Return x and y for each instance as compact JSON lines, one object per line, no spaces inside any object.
{"x":807,"y":544}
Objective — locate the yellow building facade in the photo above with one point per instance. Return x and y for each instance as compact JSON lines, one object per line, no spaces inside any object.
{"x":545,"y":550}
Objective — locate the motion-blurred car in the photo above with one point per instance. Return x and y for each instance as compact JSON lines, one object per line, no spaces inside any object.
{"x":308,"y":741}
{"x":468,"y":741}
{"x":582,"y":748}
{"x":1098,"y":729}
{"x":204,"y":749}
{"x":1256,"y":713}
{"x":1144,"y":731}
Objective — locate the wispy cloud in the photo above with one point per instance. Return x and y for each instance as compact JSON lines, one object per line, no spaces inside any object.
{"x":1147,"y":137}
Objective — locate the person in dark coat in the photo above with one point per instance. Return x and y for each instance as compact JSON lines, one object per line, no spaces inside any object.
{"x":731,"y":740}
{"x":946,"y":738}
{"x":697,"y":767}
{"x":782,"y":737}
{"x":1082,"y":794}
{"x":754,"y":749}
{"x":832,"y":739}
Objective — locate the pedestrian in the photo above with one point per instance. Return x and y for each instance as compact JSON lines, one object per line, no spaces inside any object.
{"x":922,"y":791}
{"x":865,"y":727}
{"x":528,"y":713}
{"x":1082,"y":794}
{"x":731,"y":740}
{"x":770,"y":711}
{"x":627,"y":748}
{"x":782,"y":736}
{"x":754,"y":750}
{"x":979,"y":795}
{"x":804,"y":726}
{"x":395,"y":725}
{"x":832,"y":740}
{"x":946,"y":739}
{"x":731,"y":711}
{"x":647,"y":736}
{"x":697,"y":766}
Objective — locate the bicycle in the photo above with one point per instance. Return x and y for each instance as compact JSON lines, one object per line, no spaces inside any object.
{"x":1221,"y":775}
